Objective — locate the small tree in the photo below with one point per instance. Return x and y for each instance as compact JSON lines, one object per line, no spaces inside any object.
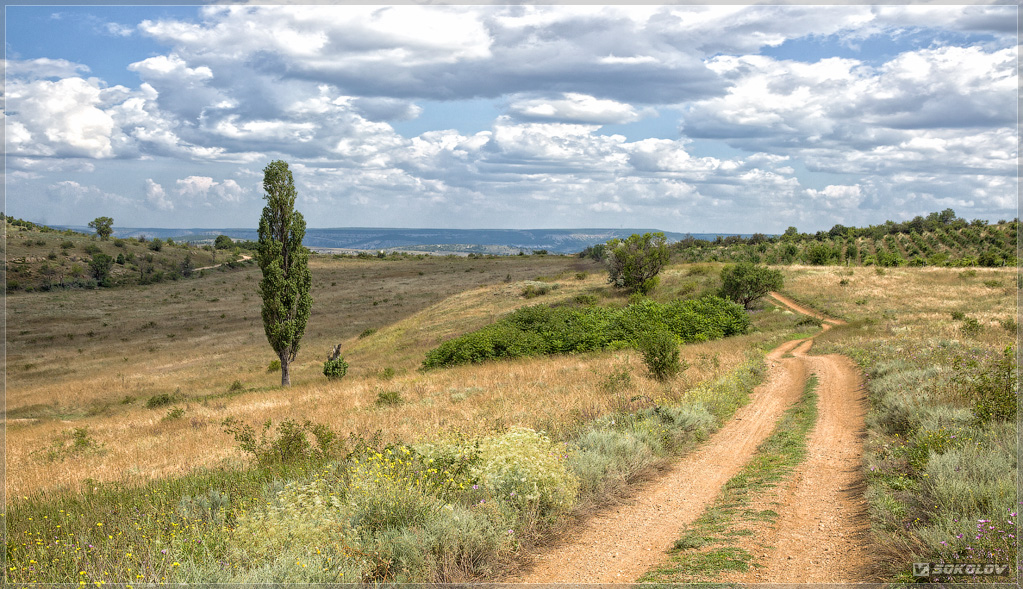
{"x":100,"y":264}
{"x":285,"y":265}
{"x":223,"y":242}
{"x":187,"y":267}
{"x":634,"y":263}
{"x":746,"y":283}
{"x":104,"y":227}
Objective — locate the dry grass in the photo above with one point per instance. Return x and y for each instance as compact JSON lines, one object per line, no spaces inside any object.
{"x":917,"y":301}
{"x":137,"y":443}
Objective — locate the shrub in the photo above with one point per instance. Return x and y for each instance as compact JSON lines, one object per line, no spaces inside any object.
{"x":635,"y":262}
{"x":274,"y":366}
{"x":524,"y":468}
{"x":970,"y":327}
{"x":367,"y":332}
{"x":541,"y":330}
{"x":236,"y":386}
{"x":746,"y":283}
{"x":994,"y":388}
{"x":174,"y":413}
{"x":335,"y":369}
{"x":389,"y":398}
{"x":288,"y":445}
{"x":660,"y":354}
{"x":159,"y":400}
{"x":535,"y":289}
{"x":156,"y":244}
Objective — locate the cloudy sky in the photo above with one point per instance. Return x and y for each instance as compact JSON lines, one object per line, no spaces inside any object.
{"x":681,"y":118}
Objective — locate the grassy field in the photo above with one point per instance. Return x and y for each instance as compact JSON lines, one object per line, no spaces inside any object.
{"x":115,"y":397}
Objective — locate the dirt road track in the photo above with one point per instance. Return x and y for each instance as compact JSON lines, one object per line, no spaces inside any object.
{"x":821,"y":519}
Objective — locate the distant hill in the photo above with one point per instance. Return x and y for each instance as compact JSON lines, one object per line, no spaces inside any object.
{"x":486,"y":241}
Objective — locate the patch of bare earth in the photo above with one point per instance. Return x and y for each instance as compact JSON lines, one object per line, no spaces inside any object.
{"x":820,"y":535}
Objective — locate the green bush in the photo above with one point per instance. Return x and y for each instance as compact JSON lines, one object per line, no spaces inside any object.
{"x":542,"y":330}
{"x":160,"y":400}
{"x":524,"y":468}
{"x":746,"y":283}
{"x":289,"y":444}
{"x":660,"y":354}
{"x":274,"y":366}
{"x":335,"y":369}
{"x":389,"y":398}
{"x":535,"y":289}
{"x":635,"y":262}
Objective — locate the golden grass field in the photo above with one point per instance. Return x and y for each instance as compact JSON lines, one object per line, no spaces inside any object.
{"x":93,"y":358}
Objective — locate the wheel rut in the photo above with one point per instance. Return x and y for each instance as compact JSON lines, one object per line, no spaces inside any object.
{"x":619,"y":544}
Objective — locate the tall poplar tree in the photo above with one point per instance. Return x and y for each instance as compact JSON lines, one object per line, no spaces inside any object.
{"x":285,"y":265}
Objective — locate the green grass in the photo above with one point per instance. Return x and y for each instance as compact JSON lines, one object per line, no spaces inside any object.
{"x":708,"y":548}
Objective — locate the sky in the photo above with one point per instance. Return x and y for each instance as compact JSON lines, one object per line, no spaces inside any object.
{"x":738,"y":118}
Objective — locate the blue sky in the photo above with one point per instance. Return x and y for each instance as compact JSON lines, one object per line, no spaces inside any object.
{"x":683,"y":118}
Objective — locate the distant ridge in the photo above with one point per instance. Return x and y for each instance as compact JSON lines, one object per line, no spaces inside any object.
{"x":496,"y":241}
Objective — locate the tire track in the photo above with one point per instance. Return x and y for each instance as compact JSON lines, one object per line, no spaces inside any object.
{"x":821,"y":532}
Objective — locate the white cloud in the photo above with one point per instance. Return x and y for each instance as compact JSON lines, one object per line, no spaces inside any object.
{"x":157,"y":196}
{"x":42,"y":67}
{"x":576,"y":108}
{"x":65,"y":118}
{"x":203,"y":188}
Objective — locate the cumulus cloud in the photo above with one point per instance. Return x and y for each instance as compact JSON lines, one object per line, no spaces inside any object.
{"x":42,"y":67}
{"x":204,"y":189}
{"x":572,"y":107}
{"x":320,"y":85}
{"x":157,"y":196}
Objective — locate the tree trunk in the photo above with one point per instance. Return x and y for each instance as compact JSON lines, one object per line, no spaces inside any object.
{"x":285,"y":377}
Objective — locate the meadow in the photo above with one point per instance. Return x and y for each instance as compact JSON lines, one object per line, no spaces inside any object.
{"x":116,"y":400}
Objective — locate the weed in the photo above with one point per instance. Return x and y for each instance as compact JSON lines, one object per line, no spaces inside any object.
{"x":160,"y":400}
{"x":367,"y":332}
{"x":970,"y":327}
{"x":389,"y":398}
{"x":174,"y":413}
{"x":236,"y":387}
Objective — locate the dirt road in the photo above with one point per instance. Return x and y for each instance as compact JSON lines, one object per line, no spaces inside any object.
{"x":819,"y":535}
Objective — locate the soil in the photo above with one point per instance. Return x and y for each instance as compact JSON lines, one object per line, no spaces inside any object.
{"x":821,"y":531}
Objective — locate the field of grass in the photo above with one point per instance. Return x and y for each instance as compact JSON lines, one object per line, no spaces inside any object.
{"x":133,"y":414}
{"x":115,"y":399}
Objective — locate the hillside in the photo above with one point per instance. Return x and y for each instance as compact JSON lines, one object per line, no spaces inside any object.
{"x":41,"y":258}
{"x":940,"y":239}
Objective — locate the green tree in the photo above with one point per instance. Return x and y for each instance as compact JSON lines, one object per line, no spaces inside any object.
{"x":104,"y":227}
{"x":223,"y":242}
{"x":285,"y":265}
{"x":100,"y":264}
{"x":747,"y":283}
{"x":634,"y":263}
